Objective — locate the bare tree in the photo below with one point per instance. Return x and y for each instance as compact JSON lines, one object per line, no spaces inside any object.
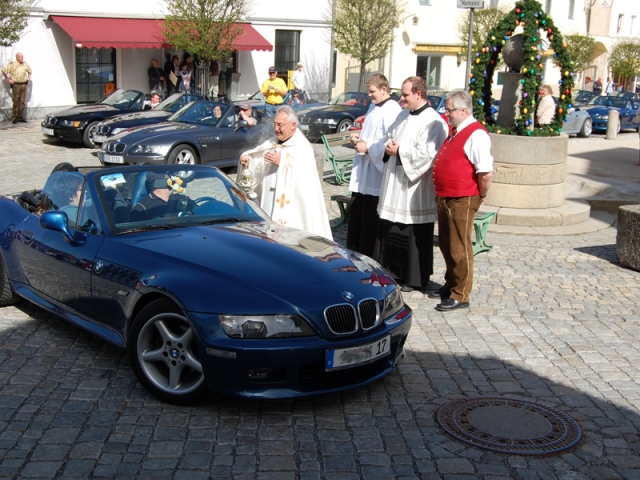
{"x":316,"y":77}
{"x":13,"y":20}
{"x":206,"y":28}
{"x":364,"y":29}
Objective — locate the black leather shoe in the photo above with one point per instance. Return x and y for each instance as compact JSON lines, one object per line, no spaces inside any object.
{"x":14,"y":121}
{"x":23,"y":121}
{"x":439,"y":293}
{"x":406,"y":289}
{"x":449,"y":304}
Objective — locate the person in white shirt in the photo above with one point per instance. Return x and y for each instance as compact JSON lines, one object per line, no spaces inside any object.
{"x":546,"y":106}
{"x":610,"y":86}
{"x":299,"y":82}
{"x":407,"y":207}
{"x":366,"y":173}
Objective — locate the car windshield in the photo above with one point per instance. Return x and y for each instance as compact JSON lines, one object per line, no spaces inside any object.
{"x":609,"y":102}
{"x":351,"y":98}
{"x":139,"y":199}
{"x":205,"y":113}
{"x":122,"y":99}
{"x":435,"y":101}
{"x":176,"y":101}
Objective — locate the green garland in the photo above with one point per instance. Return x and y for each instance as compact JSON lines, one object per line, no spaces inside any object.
{"x":535,"y":22}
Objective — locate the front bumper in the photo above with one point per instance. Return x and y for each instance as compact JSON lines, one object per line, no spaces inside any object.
{"x":124,"y":159}
{"x":294,"y":367}
{"x":68,"y":134}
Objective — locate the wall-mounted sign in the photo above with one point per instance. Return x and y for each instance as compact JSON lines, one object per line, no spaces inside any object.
{"x":606,"y":3}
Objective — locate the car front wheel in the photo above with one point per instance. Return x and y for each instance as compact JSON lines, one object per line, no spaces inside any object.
{"x":587,"y":128}
{"x":163,"y":352}
{"x":7,"y":295}
{"x":87,"y":136}
{"x":344,"y":126}
{"x":183,"y":155}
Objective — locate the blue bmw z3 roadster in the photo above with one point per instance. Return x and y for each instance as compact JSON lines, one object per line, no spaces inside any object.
{"x":179,"y":267}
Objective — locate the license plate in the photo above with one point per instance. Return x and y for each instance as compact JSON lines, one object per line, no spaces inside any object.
{"x":48,"y":131}
{"x":112,"y":159}
{"x":353,"y":356}
{"x":304,"y":128}
{"x":99,"y":138}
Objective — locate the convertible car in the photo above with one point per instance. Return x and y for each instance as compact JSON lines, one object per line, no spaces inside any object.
{"x":336,"y":117}
{"x":198,"y":133}
{"x":258,"y":102}
{"x":114,"y":125}
{"x":599,"y":107}
{"x":205,"y":293}
{"x":79,"y":123}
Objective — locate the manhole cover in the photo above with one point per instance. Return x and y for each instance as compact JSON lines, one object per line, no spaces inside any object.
{"x":507,"y":425}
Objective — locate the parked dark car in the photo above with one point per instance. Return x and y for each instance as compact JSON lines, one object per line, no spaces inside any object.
{"x":193,"y":135}
{"x":211,"y":295}
{"x":582,"y":97}
{"x":116,"y":124}
{"x":78,"y":124}
{"x":335,"y":117}
{"x":599,"y":108}
{"x":257,"y":102}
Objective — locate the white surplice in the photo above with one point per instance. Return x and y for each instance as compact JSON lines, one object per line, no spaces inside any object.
{"x":291,"y":193}
{"x":407,"y":195}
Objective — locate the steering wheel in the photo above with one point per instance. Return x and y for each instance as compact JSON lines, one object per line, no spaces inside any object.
{"x":200,"y":200}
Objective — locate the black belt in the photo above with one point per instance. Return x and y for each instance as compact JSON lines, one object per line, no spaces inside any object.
{"x":20,"y":83}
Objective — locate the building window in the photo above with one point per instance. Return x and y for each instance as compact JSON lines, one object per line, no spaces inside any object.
{"x":287,"y":51}
{"x":95,"y":73}
{"x":494,"y":3}
{"x":632,"y":27}
{"x":620,"y":24}
{"x":547,"y":7}
{"x":425,"y":2}
{"x":572,"y":9}
{"x":428,"y":67}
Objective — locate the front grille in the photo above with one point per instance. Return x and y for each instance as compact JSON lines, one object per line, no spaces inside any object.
{"x":50,"y":121}
{"x":369,"y":313}
{"x":103,"y":129}
{"x":114,"y":147}
{"x":341,"y":319}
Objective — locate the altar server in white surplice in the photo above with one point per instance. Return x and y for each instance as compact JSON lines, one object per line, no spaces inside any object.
{"x":366,"y":173}
{"x":289,"y":188}
{"x":407,"y":206}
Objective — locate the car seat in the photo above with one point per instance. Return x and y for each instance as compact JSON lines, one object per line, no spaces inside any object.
{"x":139,"y":189}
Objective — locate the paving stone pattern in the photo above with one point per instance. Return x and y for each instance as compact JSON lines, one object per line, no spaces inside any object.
{"x":553,"y":320}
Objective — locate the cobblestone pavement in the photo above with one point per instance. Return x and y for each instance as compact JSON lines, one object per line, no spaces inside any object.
{"x":553,"y":320}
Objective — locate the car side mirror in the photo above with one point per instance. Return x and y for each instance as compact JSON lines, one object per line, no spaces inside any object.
{"x":59,"y":222}
{"x":146,"y":107}
{"x":241,"y":124}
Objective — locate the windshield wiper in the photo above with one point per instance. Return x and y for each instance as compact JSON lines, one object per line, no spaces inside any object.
{"x":150,"y":227}
{"x":223,"y":220}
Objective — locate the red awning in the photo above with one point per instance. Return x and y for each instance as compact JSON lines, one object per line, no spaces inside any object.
{"x":98,"y":32}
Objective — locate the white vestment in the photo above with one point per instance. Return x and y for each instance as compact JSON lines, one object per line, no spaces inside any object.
{"x":407,"y":195}
{"x":291,"y":193}
{"x":366,"y":172}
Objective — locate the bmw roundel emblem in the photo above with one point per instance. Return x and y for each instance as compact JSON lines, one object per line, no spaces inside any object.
{"x":98,"y":266}
{"x":348,"y":296}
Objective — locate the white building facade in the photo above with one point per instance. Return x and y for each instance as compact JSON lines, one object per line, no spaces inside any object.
{"x":77,"y":58}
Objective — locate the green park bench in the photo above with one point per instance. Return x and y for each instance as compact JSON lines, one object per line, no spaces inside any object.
{"x":480,"y":222}
{"x":340,"y":163}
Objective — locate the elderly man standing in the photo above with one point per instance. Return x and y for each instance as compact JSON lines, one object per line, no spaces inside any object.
{"x":407,"y":209}
{"x":289,"y":188}
{"x":462,"y":177}
{"x":18,"y":74}
{"x":546,"y":106}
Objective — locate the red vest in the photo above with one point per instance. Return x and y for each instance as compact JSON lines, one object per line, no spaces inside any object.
{"x":453,"y":173}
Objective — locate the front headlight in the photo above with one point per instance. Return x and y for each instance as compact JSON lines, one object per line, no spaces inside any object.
{"x":265,"y":326}
{"x":70,"y":123}
{"x":150,"y":149}
{"x":393,"y":303}
{"x":326,"y":121}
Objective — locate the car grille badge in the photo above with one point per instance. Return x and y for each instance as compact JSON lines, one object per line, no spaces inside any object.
{"x":348,"y":296}
{"x":98,"y":266}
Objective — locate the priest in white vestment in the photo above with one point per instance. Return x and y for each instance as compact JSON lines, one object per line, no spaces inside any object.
{"x":288,"y":185}
{"x":407,"y":206}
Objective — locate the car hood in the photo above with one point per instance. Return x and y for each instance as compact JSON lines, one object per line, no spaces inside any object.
{"x":257,"y":262}
{"x":149,"y":132}
{"x":132,"y":117}
{"x":599,"y":109}
{"x":98,"y":108}
{"x":328,"y":109}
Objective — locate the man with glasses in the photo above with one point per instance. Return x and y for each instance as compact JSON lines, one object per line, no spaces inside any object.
{"x":407,"y":209}
{"x":462,"y":177}
{"x":288,"y":186}
{"x":274,"y":89}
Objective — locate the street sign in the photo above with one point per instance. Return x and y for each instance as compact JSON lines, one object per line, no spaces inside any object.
{"x":470,"y":3}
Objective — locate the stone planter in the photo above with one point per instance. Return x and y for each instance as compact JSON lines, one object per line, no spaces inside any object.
{"x":628,"y":237}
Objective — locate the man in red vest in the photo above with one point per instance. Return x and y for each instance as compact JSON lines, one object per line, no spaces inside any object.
{"x":462,"y":177}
